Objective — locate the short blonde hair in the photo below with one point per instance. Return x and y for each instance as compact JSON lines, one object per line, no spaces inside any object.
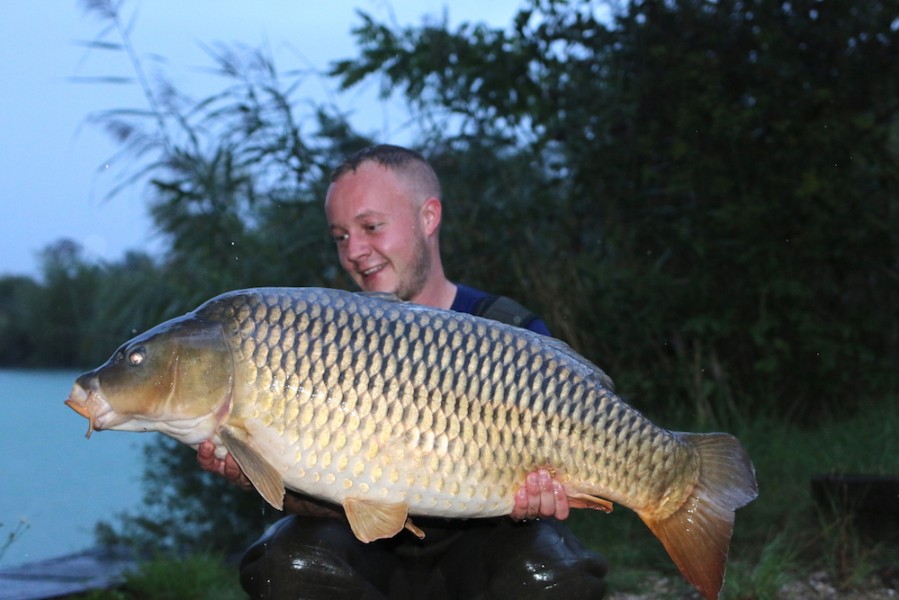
{"x":415,"y":171}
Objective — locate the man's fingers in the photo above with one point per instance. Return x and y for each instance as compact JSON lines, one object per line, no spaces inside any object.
{"x":540,"y":496}
{"x":207,"y":460}
{"x":227,"y":467}
{"x":232,"y":471}
{"x":520,"y":508}
{"x":547,"y":502}
{"x":234,"y":474}
{"x":561,"y":500}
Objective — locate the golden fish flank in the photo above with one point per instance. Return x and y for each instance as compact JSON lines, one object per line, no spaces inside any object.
{"x":392,"y":409}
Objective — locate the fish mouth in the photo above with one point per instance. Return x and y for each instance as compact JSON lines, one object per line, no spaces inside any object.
{"x":91,"y":405}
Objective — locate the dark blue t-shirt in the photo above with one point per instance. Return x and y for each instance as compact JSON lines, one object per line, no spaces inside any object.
{"x":467,"y":300}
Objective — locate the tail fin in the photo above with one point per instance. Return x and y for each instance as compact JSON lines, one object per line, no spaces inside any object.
{"x":698,"y":534}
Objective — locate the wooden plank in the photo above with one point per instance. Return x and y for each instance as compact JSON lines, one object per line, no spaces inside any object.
{"x":93,"y":569}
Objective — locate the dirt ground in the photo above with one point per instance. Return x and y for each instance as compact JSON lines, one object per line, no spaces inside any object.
{"x":880,"y":586}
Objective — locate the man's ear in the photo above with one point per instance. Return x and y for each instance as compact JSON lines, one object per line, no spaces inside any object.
{"x":431,"y":215}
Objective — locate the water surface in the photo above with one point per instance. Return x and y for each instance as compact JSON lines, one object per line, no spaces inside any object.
{"x":51,"y":477}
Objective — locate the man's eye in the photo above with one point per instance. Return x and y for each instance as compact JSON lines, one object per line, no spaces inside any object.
{"x":341,"y":238}
{"x":372,"y":227}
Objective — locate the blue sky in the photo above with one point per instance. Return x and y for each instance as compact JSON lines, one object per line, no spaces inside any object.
{"x":53,"y":163}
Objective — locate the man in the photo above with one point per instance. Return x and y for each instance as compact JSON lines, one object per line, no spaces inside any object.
{"x":384,"y":211}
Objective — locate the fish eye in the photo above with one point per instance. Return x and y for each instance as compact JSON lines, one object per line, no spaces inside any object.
{"x":137,"y":356}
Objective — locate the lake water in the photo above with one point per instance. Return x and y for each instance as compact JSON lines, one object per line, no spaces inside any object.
{"x":51,"y":477}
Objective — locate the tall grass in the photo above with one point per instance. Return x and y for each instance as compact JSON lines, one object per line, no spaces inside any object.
{"x":12,"y":536}
{"x":197,"y":577}
{"x":782,"y":534}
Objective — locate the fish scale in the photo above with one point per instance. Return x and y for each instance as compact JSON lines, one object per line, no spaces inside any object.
{"x":447,"y":371}
{"x":392,"y":409}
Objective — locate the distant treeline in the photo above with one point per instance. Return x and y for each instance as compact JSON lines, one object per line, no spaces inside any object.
{"x":702,"y":198}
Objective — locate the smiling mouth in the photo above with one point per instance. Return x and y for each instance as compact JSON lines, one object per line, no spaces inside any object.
{"x":366,"y":273}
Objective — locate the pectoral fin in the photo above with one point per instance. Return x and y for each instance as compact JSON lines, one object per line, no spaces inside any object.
{"x":587,"y":501}
{"x":371,"y":520}
{"x":267,"y":481}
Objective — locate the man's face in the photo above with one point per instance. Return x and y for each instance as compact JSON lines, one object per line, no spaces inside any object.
{"x":377,"y":228}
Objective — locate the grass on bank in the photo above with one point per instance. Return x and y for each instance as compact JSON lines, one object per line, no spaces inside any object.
{"x":782,"y":535}
{"x":197,"y":577}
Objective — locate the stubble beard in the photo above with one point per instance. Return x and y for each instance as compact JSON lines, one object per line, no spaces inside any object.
{"x":413,"y":281}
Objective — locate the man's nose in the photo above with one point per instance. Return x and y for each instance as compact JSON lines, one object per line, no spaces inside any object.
{"x":357,"y":248}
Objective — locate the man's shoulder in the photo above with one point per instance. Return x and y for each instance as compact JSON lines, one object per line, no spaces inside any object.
{"x":499,"y":308}
{"x":468,"y":299}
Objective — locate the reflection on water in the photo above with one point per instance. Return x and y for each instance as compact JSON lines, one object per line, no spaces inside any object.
{"x":52,"y":478}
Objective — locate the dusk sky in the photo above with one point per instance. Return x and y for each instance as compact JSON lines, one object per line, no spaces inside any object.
{"x":54,"y":163}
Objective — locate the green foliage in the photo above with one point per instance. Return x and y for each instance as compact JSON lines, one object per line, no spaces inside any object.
{"x":16,"y":295}
{"x":720,"y":180}
{"x":67,"y":302}
{"x":80,"y":312}
{"x":191,"y":577}
{"x":236,"y":179}
{"x":777,"y":565}
{"x":783,"y":534}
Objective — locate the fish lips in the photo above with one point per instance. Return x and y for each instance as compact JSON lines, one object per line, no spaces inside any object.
{"x":86,"y":399}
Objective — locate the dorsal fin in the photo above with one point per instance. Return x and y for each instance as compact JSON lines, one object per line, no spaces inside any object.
{"x":385,"y":296}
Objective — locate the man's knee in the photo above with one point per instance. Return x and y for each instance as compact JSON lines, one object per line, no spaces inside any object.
{"x":304,"y":557}
{"x":543,"y":560}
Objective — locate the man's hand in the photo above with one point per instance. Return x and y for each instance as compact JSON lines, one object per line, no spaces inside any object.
{"x":226,"y":467}
{"x":540,"y":496}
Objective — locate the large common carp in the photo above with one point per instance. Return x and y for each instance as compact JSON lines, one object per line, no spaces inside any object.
{"x":392,"y":409}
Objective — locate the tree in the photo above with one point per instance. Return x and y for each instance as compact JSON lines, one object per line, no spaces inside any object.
{"x":234,"y":184}
{"x":58,"y":315}
{"x":16,"y":295}
{"x":723,"y":179}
